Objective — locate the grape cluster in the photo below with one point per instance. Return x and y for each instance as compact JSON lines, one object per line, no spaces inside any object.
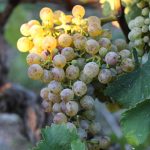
{"x":69,"y":52}
{"x":140,"y":28}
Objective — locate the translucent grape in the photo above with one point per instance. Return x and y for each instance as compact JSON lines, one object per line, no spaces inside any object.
{"x":105,"y":42}
{"x":125,"y":53}
{"x":55,"y":87}
{"x":60,"y":118}
{"x":36,"y":31}
{"x":47,"y":76}
{"x":78,"y":11}
{"x":65,"y":40}
{"x":56,"y":108}
{"x":111,"y":58}
{"x":58,"y":74}
{"x":145,"y":11}
{"x":44,"y":93}
{"x":24,"y":29}
{"x":67,"y":95}
{"x":121,"y":43}
{"x":33,"y":58}
{"x":84,"y":78}
{"x":94,"y":30}
{"x":59,"y":61}
{"x":139,"y":21}
{"x":127,"y":65}
{"x":53,"y":98}
{"x":103,"y":51}
{"x":38,"y":41}
{"x":46,"y":14}
{"x":33,"y":22}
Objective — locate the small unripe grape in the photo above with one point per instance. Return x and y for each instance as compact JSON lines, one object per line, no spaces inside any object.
{"x":131,"y":24}
{"x":48,"y":23}
{"x":37,"y":41}
{"x":49,"y":43}
{"x":36,"y":50}
{"x":141,"y":4}
{"x":65,"y":40}
{"x":89,"y":114}
{"x":57,"y":16}
{"x":91,"y":69}
{"x":46,"y":14}
{"x":145,"y":11}
{"x":47,"y":106}
{"x":55,"y":87}
{"x":69,"y":53}
{"x":47,"y":76}
{"x":36,"y":31}
{"x":58,"y":74}
{"x":105,"y":76}
{"x":93,"y":20}
{"x":35,"y":72}
{"x":84,"y":78}
{"x":24,"y":29}
{"x":56,"y":108}
{"x":138,"y":43}
{"x":72,"y":108}
{"x":145,"y":28}
{"x":105,"y":42}
{"x":111,"y":58}
{"x":79,"y":88}
{"x":103,"y":51}
{"x":44,"y":93}
{"x":59,"y":61}
{"x":84,"y":124}
{"x":125,"y":53}
{"x":94,"y":128}
{"x":33,"y":58}
{"x":33,"y":22}
{"x":146,"y":39}
{"x":60,"y":118}
{"x":127,"y":65}
{"x":24,"y":44}
{"x":139,"y":21}
{"x":80,"y":62}
{"x":121,"y":43}
{"x":94,"y":30}
{"x":67,"y":95}
{"x":78,"y":11}
{"x":82,"y":133}
{"x":147,"y":21}
{"x":54,"y":98}
{"x":92,"y":46}
{"x":87,"y":102}
{"x":72,"y":72}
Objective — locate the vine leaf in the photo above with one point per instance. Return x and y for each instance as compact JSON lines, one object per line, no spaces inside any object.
{"x":135,"y":123}
{"x":59,"y":137}
{"x":131,"y":88}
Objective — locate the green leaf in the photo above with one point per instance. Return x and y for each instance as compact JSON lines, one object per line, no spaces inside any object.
{"x":135,"y":123}
{"x":131,"y":88}
{"x":77,"y":145}
{"x":58,"y":137}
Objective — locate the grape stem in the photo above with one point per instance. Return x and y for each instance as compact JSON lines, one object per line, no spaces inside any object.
{"x":108,"y":19}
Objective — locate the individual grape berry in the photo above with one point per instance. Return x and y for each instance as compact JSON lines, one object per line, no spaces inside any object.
{"x":24,"y":44}
{"x":57,"y":16}
{"x":63,"y":106}
{"x":93,"y":20}
{"x":139,"y":21}
{"x":33,"y":22}
{"x":89,"y":114}
{"x":24,"y":29}
{"x":125,"y":53}
{"x":94,"y":30}
{"x":59,"y":61}
{"x":103,"y":51}
{"x":49,"y":43}
{"x":47,"y":76}
{"x":92,"y":46}
{"x":105,"y":42}
{"x":141,"y":4}
{"x":79,"y":88}
{"x":67,"y":95}
{"x":46,"y":14}
{"x":47,"y":106}
{"x":36,"y":50}
{"x":131,"y":24}
{"x":146,"y":39}
{"x":82,"y":133}
{"x":119,"y":69}
{"x":44,"y":93}
{"x":37,"y":41}
{"x":58,"y":74}
{"x":94,"y":128}
{"x":36,"y":31}
{"x":87,"y":102}
{"x":121,"y":43}
{"x":60,"y":118}
{"x":84,"y":124}
{"x":35,"y":72}
{"x":138,"y":43}
{"x":55,"y":87}
{"x":111,"y":58}
{"x":84,"y":78}
{"x":147,"y":21}
{"x":33,"y":58}
{"x":72,"y":72}
{"x":69,"y":53}
{"x":56,"y":108}
{"x":78,"y":11}
{"x":72,"y":108}
{"x":91,"y":69}
{"x":127,"y":65}
{"x":70,"y":126}
{"x":114,"y":48}
{"x":145,"y":28}
{"x":105,"y":76}
{"x":80,"y":62}
{"x":53,"y":98}
{"x":145,"y":11}
{"x":65,"y":40}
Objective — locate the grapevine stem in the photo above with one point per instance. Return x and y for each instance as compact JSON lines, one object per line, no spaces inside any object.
{"x":108,"y":19}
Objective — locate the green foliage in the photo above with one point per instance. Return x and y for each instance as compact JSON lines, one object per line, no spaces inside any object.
{"x":59,"y":137}
{"x":131,"y":88}
{"x":136,"y":123}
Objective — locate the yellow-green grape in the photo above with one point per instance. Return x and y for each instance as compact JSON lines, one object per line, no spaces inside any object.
{"x":36,"y":31}
{"x":36,"y":50}
{"x":145,"y":28}
{"x":79,"y":88}
{"x":139,"y":21}
{"x":146,"y":39}
{"x":33,"y":58}
{"x":105,"y":42}
{"x":24,"y":29}
{"x":59,"y":61}
{"x":125,"y":53}
{"x":72,"y":72}
{"x":57,"y":16}
{"x":65,"y":40}
{"x":47,"y":106}
{"x":35,"y":72}
{"x":69,"y":18}
{"x":121,"y":43}
{"x":92,"y":46}
{"x":84,"y":78}
{"x":55,"y":87}
{"x":127,"y":65}
{"x":105,"y":76}
{"x":49,"y":43}
{"x":47,"y":76}
{"x":147,"y":21}
{"x":78,"y":11}
{"x":67,"y":95}
{"x":131,"y":24}
{"x":44,"y":93}
{"x":56,"y":108}
{"x":111,"y":58}
{"x":141,"y":4}
{"x":94,"y":128}
{"x":60,"y":118}
{"x":24,"y":44}
{"x":48,"y":24}
{"x":72,"y":108}
{"x":33,"y":22}
{"x":93,"y":20}
{"x":69,"y":53}
{"x":103,"y":51}
{"x":58,"y":74}
{"x":145,"y":11}
{"x":53,"y":98}
{"x":46,"y":14}
{"x":94,"y":30}
{"x":38,"y":41}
